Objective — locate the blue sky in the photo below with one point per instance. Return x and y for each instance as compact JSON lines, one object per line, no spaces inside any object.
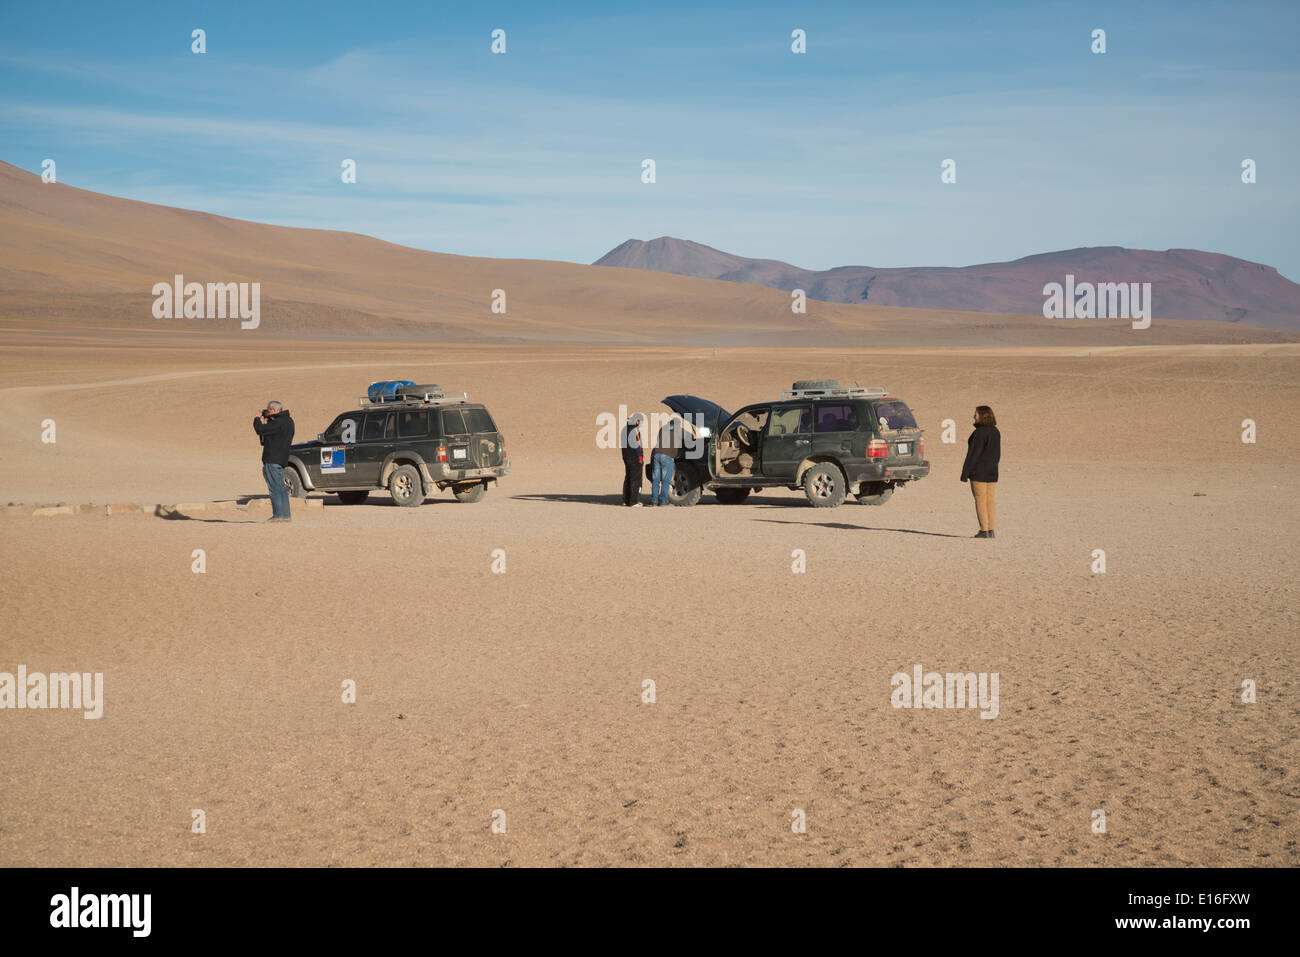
{"x":822,"y":159}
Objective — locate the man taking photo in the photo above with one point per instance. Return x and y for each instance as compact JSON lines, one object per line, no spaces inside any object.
{"x":274,"y":429}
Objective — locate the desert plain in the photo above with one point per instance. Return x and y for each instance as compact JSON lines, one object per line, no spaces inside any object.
{"x":518,"y":696}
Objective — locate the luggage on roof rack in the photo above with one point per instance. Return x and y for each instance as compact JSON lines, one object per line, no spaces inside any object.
{"x":829,"y":389}
{"x":412,"y":391}
{"x":386,"y":391}
{"x":409,"y":394}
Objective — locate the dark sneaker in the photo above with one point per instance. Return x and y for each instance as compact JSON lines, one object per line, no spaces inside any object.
{"x":980,"y":535}
{"x":990,"y":534}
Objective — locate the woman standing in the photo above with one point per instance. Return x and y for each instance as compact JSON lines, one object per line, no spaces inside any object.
{"x":983,"y":450}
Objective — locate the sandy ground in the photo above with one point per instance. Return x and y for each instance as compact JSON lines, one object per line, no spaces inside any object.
{"x":522,"y":691}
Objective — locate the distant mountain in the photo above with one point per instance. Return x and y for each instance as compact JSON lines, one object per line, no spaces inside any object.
{"x":72,"y":260}
{"x":1185,"y":283}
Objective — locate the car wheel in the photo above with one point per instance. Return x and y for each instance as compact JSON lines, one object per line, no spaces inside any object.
{"x":731,"y":496}
{"x":878,"y":498}
{"x":353,"y":498}
{"x":470,"y":493}
{"x":293,"y":482}
{"x":686,"y":488}
{"x":404,"y":485}
{"x":824,"y":485}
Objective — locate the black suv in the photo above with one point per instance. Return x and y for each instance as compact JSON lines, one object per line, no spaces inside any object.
{"x":819,"y":437}
{"x":408,"y":440}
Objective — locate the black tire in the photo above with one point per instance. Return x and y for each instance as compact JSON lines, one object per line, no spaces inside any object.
{"x":880,"y":498}
{"x":824,"y":485}
{"x":686,"y":488}
{"x":816,"y":384}
{"x":470,"y":493}
{"x":731,"y":496}
{"x":404,"y":486}
{"x":353,"y":498}
{"x":293,"y":482}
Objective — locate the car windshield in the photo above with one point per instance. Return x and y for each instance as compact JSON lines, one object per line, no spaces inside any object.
{"x":894,"y":414}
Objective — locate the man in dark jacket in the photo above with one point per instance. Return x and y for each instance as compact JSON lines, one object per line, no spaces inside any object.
{"x":633,"y":456}
{"x":983,"y":452}
{"x":274,"y":429}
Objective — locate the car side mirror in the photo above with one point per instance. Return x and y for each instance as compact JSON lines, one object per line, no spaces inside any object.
{"x":320,"y":436}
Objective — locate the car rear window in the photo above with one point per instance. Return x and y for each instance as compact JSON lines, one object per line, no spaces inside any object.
{"x":478,"y":420}
{"x":894,"y":414}
{"x":836,"y":417}
{"x":452,"y":423}
{"x":413,"y":424}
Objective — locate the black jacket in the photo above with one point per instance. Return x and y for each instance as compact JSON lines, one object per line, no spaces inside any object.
{"x":631,"y":451}
{"x":983,"y":450}
{"x":276,"y":435}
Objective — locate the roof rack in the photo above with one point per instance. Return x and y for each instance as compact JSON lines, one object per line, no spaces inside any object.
{"x":838,"y":392}
{"x":410,"y":400}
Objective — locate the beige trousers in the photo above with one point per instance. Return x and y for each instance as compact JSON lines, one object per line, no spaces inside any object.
{"x":984,"y":510}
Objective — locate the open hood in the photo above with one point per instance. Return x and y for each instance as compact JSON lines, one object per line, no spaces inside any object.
{"x":710,"y":414}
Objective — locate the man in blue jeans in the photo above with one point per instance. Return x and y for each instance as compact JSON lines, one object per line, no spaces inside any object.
{"x":664,"y":461}
{"x":274,"y":430}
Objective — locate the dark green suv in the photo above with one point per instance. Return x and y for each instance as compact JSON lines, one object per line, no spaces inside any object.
{"x":819,"y":437}
{"x":409,"y":441}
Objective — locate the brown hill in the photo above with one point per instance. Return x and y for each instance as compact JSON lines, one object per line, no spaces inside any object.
{"x":73,"y":258}
{"x":1186,"y":283}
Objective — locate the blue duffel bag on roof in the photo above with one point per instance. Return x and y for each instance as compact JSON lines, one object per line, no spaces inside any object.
{"x":386,"y":391}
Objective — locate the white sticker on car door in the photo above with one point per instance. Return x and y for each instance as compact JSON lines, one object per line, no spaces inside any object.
{"x":331,"y":459}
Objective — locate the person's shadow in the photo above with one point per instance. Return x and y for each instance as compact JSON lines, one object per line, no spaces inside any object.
{"x":859,"y":528}
{"x":581,"y":499}
{"x":172,"y":515}
{"x":332,"y":500}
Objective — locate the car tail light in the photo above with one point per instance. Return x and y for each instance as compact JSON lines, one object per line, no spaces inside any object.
{"x":877,"y":449}
{"x":920,"y":448}
{"x":442,"y":453}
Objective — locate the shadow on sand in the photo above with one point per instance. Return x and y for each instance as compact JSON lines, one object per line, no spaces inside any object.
{"x":179,"y":517}
{"x":331,"y":500}
{"x":615,"y":499}
{"x":860,"y":528}
{"x":328,"y":500}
